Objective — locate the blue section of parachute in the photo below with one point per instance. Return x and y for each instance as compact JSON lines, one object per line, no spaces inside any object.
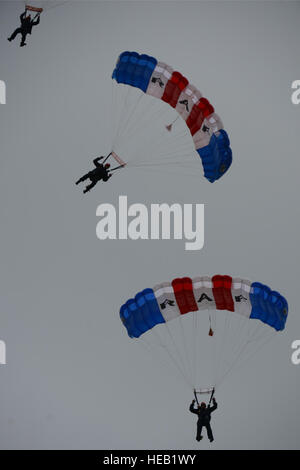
{"x":134,"y":69}
{"x":141,"y":313}
{"x":268,"y":306}
{"x":216,"y":156}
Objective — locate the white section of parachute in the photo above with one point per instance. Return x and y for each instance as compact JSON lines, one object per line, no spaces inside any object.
{"x":240,"y":291}
{"x":203,"y":293}
{"x":166,"y":301}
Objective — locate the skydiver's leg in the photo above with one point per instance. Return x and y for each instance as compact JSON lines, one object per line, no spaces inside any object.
{"x":14,"y":34}
{"x":209,"y":432}
{"x":83,"y":178}
{"x":199,"y":431}
{"x":23,"y":43}
{"x":90,"y":186}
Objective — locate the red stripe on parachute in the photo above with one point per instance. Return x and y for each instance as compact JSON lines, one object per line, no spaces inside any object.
{"x":183,"y":291}
{"x":222,"y":292}
{"x":199,"y":112}
{"x":173,"y":88}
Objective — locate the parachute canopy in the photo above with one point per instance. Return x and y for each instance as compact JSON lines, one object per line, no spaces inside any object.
{"x":170,"y":300}
{"x":31,"y":8}
{"x":159,"y":80}
{"x":204,"y":343}
{"x":39,"y":6}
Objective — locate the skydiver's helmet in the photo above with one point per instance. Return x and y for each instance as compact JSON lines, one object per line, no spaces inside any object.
{"x":28,"y":17}
{"x":203,"y":405}
{"x":107,"y":166}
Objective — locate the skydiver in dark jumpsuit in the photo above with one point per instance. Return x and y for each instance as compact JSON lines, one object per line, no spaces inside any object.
{"x":203,"y":412}
{"x":26,"y":27}
{"x":101,"y":172}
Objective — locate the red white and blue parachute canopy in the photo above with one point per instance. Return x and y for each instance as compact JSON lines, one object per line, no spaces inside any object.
{"x":159,"y":80}
{"x":34,"y":8}
{"x":39,"y":6}
{"x":171,"y":300}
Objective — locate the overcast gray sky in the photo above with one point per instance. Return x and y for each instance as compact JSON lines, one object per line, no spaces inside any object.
{"x":73,"y":378}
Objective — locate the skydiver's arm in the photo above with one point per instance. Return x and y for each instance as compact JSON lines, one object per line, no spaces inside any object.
{"x":23,"y":15}
{"x":97,"y":160}
{"x":192,"y":409}
{"x":106,"y":178}
{"x":214,"y":407}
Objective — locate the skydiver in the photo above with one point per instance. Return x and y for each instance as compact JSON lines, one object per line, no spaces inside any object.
{"x":101,"y":172}
{"x":26,"y":27}
{"x":203,"y":412}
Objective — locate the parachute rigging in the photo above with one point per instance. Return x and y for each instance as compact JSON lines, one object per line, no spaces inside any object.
{"x":252,"y":315}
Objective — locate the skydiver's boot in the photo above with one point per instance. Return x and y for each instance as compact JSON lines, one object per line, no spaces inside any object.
{"x":23,"y":43}
{"x":209,"y":433}
{"x":90,"y":186}
{"x":199,"y":432}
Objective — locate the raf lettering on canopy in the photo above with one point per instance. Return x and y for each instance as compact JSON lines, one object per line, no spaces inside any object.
{"x":166,"y":222}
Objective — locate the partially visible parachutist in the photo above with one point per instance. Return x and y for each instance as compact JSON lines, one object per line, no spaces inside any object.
{"x":26,"y":27}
